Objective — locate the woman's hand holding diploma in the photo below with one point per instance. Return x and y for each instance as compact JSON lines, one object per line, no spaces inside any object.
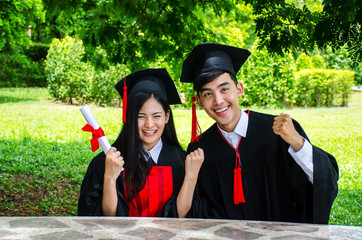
{"x":113,"y":167}
{"x":113,"y":164}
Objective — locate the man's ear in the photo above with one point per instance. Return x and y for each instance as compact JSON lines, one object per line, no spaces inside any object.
{"x":198,"y":100}
{"x":240,"y":89}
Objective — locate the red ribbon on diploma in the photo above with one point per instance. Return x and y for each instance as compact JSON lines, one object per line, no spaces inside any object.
{"x":96,"y":133}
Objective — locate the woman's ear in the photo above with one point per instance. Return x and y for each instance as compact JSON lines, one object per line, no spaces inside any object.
{"x":167,"y":116}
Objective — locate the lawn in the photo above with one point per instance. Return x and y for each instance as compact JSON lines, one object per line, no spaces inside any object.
{"x":44,"y":153}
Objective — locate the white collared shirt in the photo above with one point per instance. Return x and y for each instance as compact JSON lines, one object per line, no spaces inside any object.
{"x":239,"y":131}
{"x":303,"y":157}
{"x":155,"y":151}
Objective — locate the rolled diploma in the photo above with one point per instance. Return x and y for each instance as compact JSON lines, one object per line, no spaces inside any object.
{"x":91,"y":120}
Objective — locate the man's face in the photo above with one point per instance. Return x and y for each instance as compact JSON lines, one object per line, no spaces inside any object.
{"x":220,"y":99}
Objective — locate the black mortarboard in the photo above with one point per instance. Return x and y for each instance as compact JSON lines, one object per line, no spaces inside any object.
{"x":206,"y":57}
{"x":148,"y":80}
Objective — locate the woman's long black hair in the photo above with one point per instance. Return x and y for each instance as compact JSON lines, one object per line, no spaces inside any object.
{"x":128,"y":141}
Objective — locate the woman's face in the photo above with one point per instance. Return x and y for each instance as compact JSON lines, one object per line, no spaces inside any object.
{"x":151,"y":123}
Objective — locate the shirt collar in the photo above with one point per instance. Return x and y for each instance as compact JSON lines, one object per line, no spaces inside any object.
{"x":241,"y":127}
{"x":155,"y":151}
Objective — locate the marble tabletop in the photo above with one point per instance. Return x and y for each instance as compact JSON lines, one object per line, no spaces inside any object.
{"x":165,"y":228}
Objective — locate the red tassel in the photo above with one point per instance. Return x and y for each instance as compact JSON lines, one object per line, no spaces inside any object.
{"x":195,"y":127}
{"x":238,"y":187}
{"x":238,"y":192}
{"x":124,"y":105}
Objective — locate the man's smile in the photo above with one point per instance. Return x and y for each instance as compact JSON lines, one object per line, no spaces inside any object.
{"x":221,"y":110}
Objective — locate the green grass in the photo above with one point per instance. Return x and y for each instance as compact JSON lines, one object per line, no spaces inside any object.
{"x":44,"y":153}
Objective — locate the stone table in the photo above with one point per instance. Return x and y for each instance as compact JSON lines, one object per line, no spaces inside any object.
{"x":165,"y":228}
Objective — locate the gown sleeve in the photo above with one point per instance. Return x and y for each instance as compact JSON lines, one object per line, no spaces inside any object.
{"x":201,"y":204}
{"x":325,"y":177}
{"x":175,"y":157}
{"x":90,"y":200}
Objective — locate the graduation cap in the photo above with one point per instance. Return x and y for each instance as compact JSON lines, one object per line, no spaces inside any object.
{"x":207,"y":57}
{"x":153,"y":80}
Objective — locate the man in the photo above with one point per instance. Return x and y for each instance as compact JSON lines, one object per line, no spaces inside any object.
{"x":257,"y":166}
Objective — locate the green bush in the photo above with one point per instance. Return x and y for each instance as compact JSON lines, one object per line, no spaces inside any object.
{"x":37,"y":51}
{"x":102,"y":89}
{"x":268,"y":79}
{"x":323,"y":87}
{"x":303,"y":62}
{"x":19,"y":70}
{"x":358,"y":76}
{"x":272,"y":80}
{"x":318,"y":61}
{"x":68,"y":77}
{"x":337,"y":58}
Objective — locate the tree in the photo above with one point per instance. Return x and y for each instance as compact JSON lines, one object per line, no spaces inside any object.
{"x":9,"y":29}
{"x":340,"y":24}
{"x":15,"y":18}
{"x":20,"y":57}
{"x":139,"y":31}
{"x":288,"y":25}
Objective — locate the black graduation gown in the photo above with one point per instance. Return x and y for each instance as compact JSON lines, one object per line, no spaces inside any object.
{"x":90,"y":200}
{"x":275,"y":186}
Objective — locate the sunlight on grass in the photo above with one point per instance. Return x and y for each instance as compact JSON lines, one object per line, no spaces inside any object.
{"x":43,"y":138}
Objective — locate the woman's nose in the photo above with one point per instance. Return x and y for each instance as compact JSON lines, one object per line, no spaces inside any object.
{"x":149,"y":123}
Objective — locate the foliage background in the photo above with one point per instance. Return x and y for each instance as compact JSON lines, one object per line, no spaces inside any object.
{"x":149,"y":33}
{"x":80,"y":49}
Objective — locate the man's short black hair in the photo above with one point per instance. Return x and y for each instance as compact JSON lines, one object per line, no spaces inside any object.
{"x":207,"y":77}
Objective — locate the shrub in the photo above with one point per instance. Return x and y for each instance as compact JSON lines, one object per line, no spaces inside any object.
{"x":68,"y":77}
{"x":268,"y":79}
{"x":37,"y":51}
{"x":19,"y":70}
{"x":318,"y":61}
{"x":102,"y":89}
{"x":358,"y":76}
{"x":337,"y":58}
{"x":71,"y":79}
{"x":303,"y":62}
{"x":323,"y":87}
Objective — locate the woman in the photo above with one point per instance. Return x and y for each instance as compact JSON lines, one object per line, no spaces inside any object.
{"x":156,"y":181}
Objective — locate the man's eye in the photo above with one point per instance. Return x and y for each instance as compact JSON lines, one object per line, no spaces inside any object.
{"x":207,"y":94}
{"x":225,"y":89}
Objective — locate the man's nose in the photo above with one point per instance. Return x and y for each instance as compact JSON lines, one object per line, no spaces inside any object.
{"x":218,"y":99}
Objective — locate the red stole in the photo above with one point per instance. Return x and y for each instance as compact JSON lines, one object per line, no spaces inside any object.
{"x":157,"y":191}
